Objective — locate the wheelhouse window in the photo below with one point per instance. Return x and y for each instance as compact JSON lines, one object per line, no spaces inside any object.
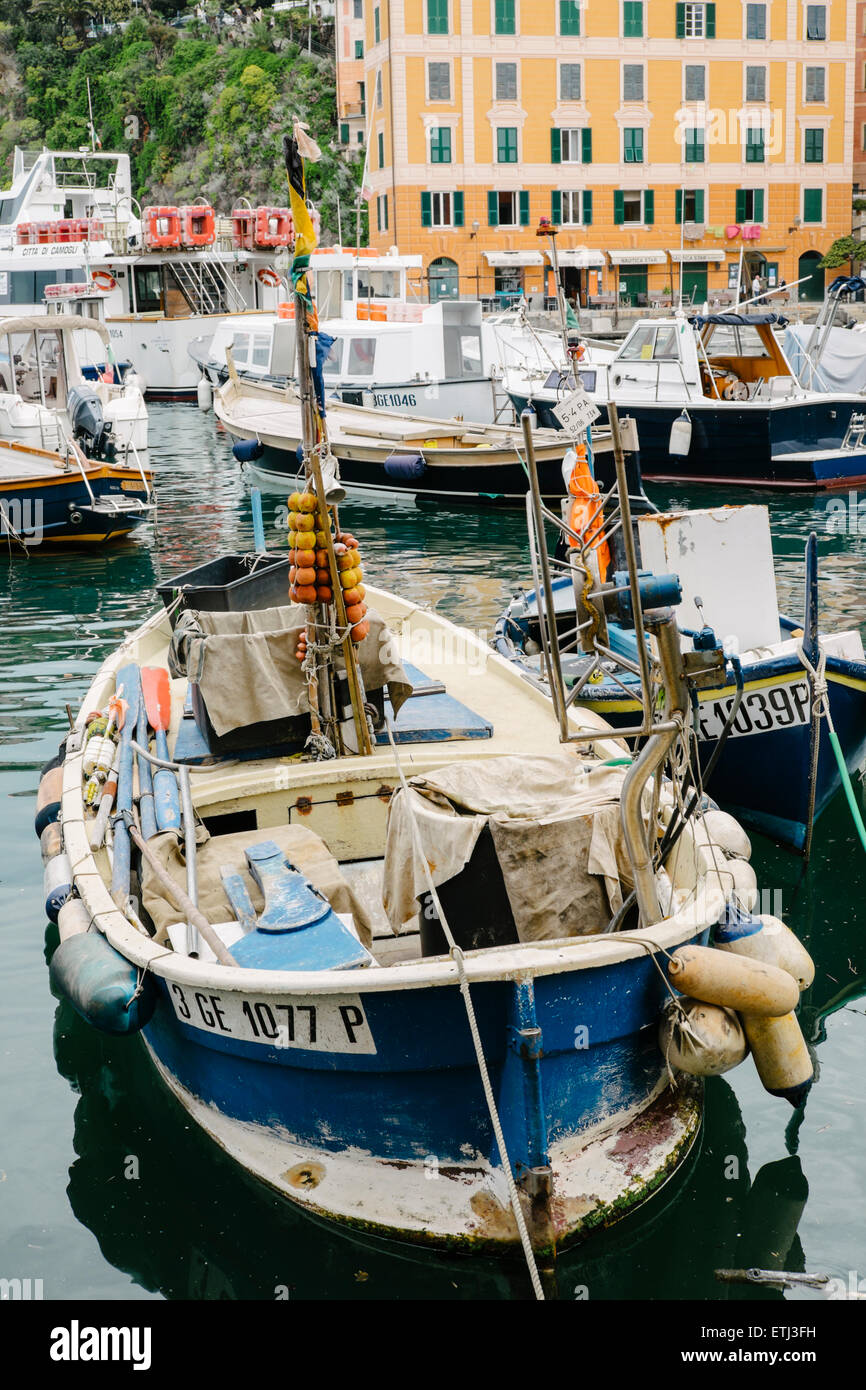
{"x":362,"y":353}
{"x":650,"y":344}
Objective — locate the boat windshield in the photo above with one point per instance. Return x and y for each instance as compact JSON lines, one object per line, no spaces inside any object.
{"x":558,"y":381}
{"x":651,"y":343}
{"x":362,"y":351}
{"x":378,"y":284}
{"x":740,"y":341}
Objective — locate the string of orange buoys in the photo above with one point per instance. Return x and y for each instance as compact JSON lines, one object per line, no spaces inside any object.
{"x":310,"y":578}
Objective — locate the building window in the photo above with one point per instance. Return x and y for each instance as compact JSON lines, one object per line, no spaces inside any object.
{"x":689,"y":205}
{"x":377,"y":28}
{"x":344,"y":133}
{"x":632,"y":19}
{"x":442,"y":209}
{"x":756,"y":21}
{"x":813,"y":205}
{"x":754,"y":147}
{"x":816,"y":88}
{"x":359,"y":48}
{"x":572,"y":207}
{"x":358,"y":10}
{"x":506,"y":81}
{"x":632,"y":82}
{"x":569,"y":82}
{"x":814,"y":151}
{"x":696,"y":82}
{"x":632,"y":145}
{"x":694,"y":146}
{"x":508,"y":209}
{"x":633,"y":206}
{"x":749,"y":205}
{"x":571,"y":146}
{"x":362,"y":93}
{"x":439,"y":81}
{"x":440,"y":145}
{"x":569,"y":17}
{"x":437,"y":16}
{"x":816,"y":21}
{"x":360,"y":137}
{"x":379,"y":89}
{"x":382,"y":212}
{"x":381,"y":144}
{"x":506,"y":145}
{"x":756,"y":84}
{"x":504,"y":17}
{"x":696,"y":21}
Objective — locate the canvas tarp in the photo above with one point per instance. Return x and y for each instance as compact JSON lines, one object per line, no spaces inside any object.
{"x":842,"y":364}
{"x":247,"y":671}
{"x":556,"y":826}
{"x":303,"y":848}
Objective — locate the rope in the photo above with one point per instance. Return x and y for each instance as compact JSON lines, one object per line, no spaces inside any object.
{"x":457,"y":956}
{"x":821,"y":707}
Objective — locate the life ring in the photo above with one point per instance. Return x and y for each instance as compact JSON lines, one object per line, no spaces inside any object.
{"x":103,"y":279}
{"x":268,"y":276}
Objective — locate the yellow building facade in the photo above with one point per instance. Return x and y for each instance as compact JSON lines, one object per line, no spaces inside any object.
{"x":670,"y":142}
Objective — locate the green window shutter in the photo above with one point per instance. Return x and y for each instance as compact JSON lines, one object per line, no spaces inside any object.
{"x":710,"y":17}
{"x":699,"y":205}
{"x":618,"y":207}
{"x":556,"y":208}
{"x":505,"y":17}
{"x":426,"y":209}
{"x":437,"y":16}
{"x":555,"y":146}
{"x":586,"y":145}
{"x":524,"y":207}
{"x":759,"y":205}
{"x":740,"y":213}
{"x":813,"y":204}
{"x":814,"y":146}
{"x":587,"y":207}
{"x":678,"y":202}
{"x":377,"y":32}
{"x":681,"y":21}
{"x":457,"y":205}
{"x":569,"y":17}
{"x":493,"y":208}
{"x":649,"y":207}
{"x":344,"y":133}
{"x":632,"y":19}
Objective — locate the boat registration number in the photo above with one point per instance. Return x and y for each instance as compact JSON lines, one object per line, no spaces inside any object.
{"x":774,"y":707}
{"x":311,"y":1023}
{"x":131,"y":485}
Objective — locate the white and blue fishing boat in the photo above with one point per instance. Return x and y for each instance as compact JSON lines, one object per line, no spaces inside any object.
{"x":716,"y":400}
{"x":772,"y":711}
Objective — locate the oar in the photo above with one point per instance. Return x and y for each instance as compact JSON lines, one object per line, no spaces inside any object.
{"x":157,"y":699}
{"x":146,"y":808}
{"x":130,"y":678}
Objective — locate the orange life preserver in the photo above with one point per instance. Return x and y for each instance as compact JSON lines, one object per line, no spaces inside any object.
{"x":199,"y":225}
{"x":103,"y":279}
{"x":273,"y":227}
{"x":162,"y":228}
{"x":582,"y":518}
{"x":242,"y":229}
{"x":268,"y":276}
{"x":285,"y":309}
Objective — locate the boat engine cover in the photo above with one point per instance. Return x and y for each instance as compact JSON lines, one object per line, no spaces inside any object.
{"x":89,"y":425}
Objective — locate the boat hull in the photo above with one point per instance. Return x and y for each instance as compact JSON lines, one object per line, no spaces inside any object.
{"x":756,"y":444}
{"x":60,"y":511}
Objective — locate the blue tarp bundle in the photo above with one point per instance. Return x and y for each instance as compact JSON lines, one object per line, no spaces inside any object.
{"x":739,"y":320}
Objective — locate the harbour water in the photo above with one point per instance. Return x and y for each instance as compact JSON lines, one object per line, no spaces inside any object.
{"x":108,"y":1191}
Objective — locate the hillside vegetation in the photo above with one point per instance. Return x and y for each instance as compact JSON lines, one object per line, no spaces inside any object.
{"x":200,"y":109}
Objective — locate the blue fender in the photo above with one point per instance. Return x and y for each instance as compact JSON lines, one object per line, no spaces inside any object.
{"x":101,"y":985}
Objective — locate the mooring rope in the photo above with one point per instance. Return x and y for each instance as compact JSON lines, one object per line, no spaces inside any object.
{"x":457,"y":956}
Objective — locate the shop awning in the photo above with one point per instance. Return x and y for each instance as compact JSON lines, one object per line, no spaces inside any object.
{"x":513,"y":258}
{"x":632,"y":257}
{"x":716,"y":256}
{"x":579,"y":257}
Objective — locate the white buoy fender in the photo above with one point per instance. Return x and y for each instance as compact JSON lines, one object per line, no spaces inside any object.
{"x":735,"y":982}
{"x":204,"y":393}
{"x":738,"y":878}
{"x":51,"y":841}
{"x":73,"y":919}
{"x":781,"y":1056}
{"x":56,"y":884}
{"x":48,"y":798}
{"x":767,"y":939}
{"x":701,"y":1039}
{"x":681,"y":436}
{"x":718,"y":828}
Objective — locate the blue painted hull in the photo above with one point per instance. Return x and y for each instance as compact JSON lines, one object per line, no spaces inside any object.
{"x":739,"y":444}
{"x":60,"y":511}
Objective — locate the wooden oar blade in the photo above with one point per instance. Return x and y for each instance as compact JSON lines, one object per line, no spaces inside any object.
{"x":157,"y":696}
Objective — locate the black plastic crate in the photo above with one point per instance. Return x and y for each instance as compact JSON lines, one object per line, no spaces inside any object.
{"x":232,"y":584}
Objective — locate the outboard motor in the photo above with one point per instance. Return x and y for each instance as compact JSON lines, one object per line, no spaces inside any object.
{"x":90,"y":428}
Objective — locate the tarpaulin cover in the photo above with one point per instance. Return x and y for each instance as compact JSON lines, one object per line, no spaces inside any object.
{"x":303,"y":848}
{"x":842,"y":364}
{"x":247,"y":671}
{"x":556,"y":826}
{"x":738,"y":320}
